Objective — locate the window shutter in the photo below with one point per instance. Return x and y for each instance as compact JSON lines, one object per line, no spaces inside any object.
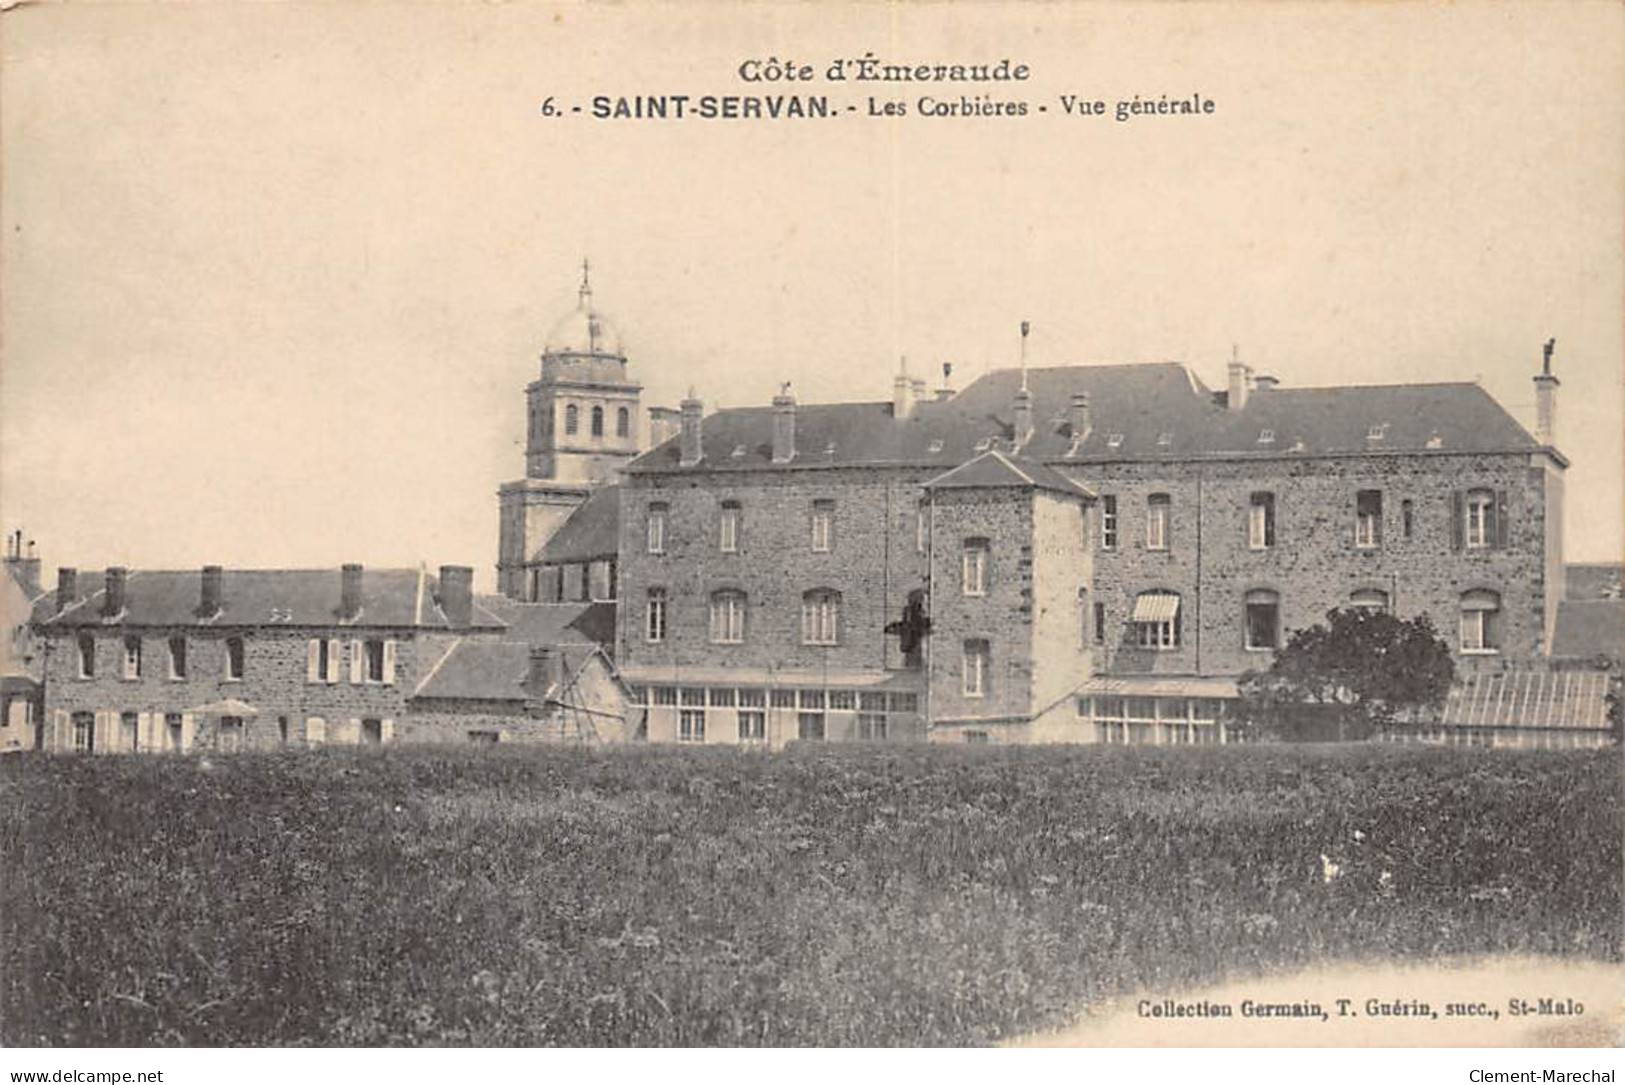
{"x":1502,"y":528}
{"x":188,"y":731}
{"x":386,"y":731}
{"x":1458,"y":519}
{"x":335,"y":650}
{"x":357,"y":673}
{"x":354,"y":736}
{"x":313,"y":660}
{"x":389,"y":663}
{"x":143,"y":732}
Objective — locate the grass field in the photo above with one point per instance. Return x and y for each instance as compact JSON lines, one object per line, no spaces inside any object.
{"x":825,"y":896}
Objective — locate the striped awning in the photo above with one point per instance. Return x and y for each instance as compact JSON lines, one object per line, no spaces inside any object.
{"x":1152,"y":607}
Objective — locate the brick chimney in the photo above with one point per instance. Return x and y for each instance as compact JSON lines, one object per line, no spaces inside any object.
{"x":209,"y":599}
{"x":784,"y":426}
{"x":1024,"y":416}
{"x":946,"y":392}
{"x":457,"y":595}
{"x":546,"y":670}
{"x":67,"y":587}
{"x":1080,"y":415}
{"x":1240,"y":384}
{"x":692,"y":449}
{"x":24,"y":568}
{"x":349,"y":592}
{"x":113,"y":597}
{"x":1546,"y":398}
{"x":902,"y":394}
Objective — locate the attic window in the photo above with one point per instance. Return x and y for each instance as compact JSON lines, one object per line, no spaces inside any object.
{"x":1266,"y":436}
{"x":829,"y":449}
{"x":1114,"y":440}
{"x":1165,"y":439}
{"x":1435,"y":441}
{"x":1377,"y":432}
{"x":739,"y":452}
{"x":934,"y":446}
{"x":984,"y":444}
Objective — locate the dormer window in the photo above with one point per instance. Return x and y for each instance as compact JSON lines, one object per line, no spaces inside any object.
{"x":1377,"y":432}
{"x":1435,"y":441}
{"x":1165,"y":439}
{"x":738,"y":452}
{"x":1114,"y":440}
{"x":984,"y":444}
{"x":1266,"y":436}
{"x":934,"y":446}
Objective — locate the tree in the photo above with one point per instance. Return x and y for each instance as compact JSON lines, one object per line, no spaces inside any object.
{"x":1358,"y":672}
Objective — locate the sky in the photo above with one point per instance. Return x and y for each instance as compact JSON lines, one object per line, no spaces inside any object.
{"x":273,"y":278}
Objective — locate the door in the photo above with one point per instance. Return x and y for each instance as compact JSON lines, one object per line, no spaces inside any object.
{"x":372,"y":732}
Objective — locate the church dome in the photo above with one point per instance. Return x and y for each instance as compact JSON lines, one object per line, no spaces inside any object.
{"x":583,"y":330}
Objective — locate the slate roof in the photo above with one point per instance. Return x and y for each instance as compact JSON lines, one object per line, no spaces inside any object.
{"x":543,"y":623}
{"x":1589,"y":628}
{"x":592,"y":531}
{"x":1157,"y":411}
{"x":485,"y":669}
{"x":1593,"y":580}
{"x":995,"y":469}
{"x":262,"y":597}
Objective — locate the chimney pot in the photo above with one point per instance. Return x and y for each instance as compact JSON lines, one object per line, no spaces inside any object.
{"x":1238,"y":385}
{"x":784,"y":427}
{"x":67,"y":587}
{"x":457,"y":595}
{"x":692,"y":448}
{"x":902,"y":396}
{"x":209,"y":599}
{"x":1546,"y":401}
{"x":1024,"y":416}
{"x":1082,"y":418}
{"x":349,"y":591}
{"x":113,"y":597}
{"x":1263,"y":382}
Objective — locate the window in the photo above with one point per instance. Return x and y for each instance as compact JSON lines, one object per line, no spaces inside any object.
{"x":728,"y":528}
{"x":132,"y":657}
{"x":282,"y":729}
{"x":572,"y":419}
{"x":234,"y":658}
{"x":1108,"y":522}
{"x":782,"y":698}
{"x":821,"y":617}
{"x":823,"y":526}
{"x":1407,"y":517}
{"x":1100,"y":623}
{"x":374,"y":654}
{"x":1266,"y":436}
{"x":1369,"y":599}
{"x":752,"y":698}
{"x":1084,"y":616}
{"x":598,"y":421}
{"x":84,"y":732}
{"x":871,"y":727}
{"x":1263,"y":620}
{"x":691,"y":725}
{"x":1157,"y":620}
{"x":654,"y":616}
{"x":810,"y":726}
{"x":87,"y":656}
{"x":177,"y":657}
{"x":623,"y":422}
{"x":977,"y":738}
{"x":1261,"y":521}
{"x":483,"y":738}
{"x":843,"y":700}
{"x":1480,"y":621}
{"x":657,"y":527}
{"x":811,"y":698}
{"x":1157,"y":508}
{"x":1368,"y":518}
{"x":665,"y":696}
{"x":1480,"y":519}
{"x":973,"y":567}
{"x":904,"y":702}
{"x":230,"y":739}
{"x":372,"y":732}
{"x":129,"y":732}
{"x":752,"y":725}
{"x":976,"y":668}
{"x":722,"y":698}
{"x":727,"y":617}
{"x":322,"y":660}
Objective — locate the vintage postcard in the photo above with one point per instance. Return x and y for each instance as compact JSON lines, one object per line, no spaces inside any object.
{"x":826,"y":526}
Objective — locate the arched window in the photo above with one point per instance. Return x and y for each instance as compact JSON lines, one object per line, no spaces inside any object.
{"x":1263,"y":625}
{"x":821,"y":616}
{"x":1480,"y":621}
{"x":1156,"y":619}
{"x":598,"y":421}
{"x":572,"y":419}
{"x":623,"y":422}
{"x":727,"y":616}
{"x":1369,"y":599}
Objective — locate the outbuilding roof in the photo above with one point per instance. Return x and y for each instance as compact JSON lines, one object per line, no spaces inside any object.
{"x":591,"y":532}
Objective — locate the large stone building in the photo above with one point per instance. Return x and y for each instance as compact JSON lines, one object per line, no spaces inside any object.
{"x":1081,"y":553}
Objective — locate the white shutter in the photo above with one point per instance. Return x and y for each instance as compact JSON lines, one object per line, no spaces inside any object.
{"x":357,"y":674}
{"x":188,"y":731}
{"x":389,"y":663}
{"x":143,"y":732}
{"x":335,"y":649}
{"x":386,"y":731}
{"x":106,"y":732}
{"x":315,"y":731}
{"x":313,"y":661}
{"x":354,"y":736}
